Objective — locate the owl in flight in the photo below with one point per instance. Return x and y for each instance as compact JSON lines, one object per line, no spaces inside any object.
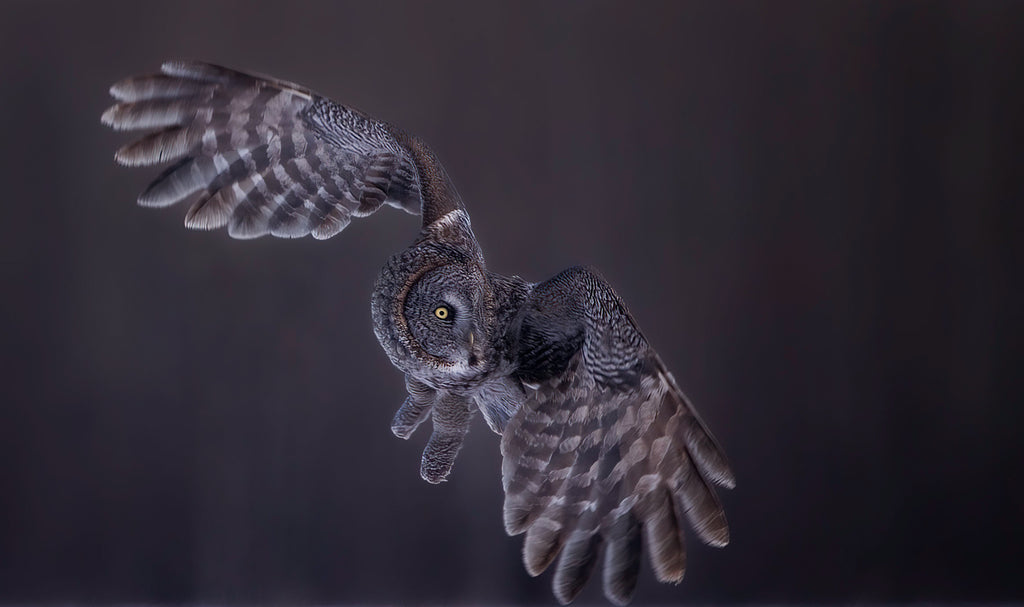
{"x":602,"y":452}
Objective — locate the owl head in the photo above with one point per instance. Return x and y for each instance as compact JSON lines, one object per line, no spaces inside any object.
{"x":432,"y":312}
{"x":443,"y":314}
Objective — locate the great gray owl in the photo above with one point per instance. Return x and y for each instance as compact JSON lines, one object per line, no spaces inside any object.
{"x":598,"y":442}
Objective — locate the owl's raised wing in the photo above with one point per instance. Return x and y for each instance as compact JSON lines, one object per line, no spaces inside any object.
{"x":605,"y":446}
{"x":266,"y":156}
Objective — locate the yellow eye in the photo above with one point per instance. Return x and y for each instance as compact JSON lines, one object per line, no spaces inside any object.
{"x":441,"y":312}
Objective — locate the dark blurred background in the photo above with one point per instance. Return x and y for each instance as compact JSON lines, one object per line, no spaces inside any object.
{"x":811,"y":208}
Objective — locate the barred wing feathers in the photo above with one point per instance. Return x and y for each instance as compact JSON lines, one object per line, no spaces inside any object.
{"x":262,"y":156}
{"x":606,"y":449}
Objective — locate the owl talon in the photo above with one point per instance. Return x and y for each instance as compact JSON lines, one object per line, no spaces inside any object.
{"x":409,"y":416}
{"x":439,"y":457}
{"x":402,"y":432}
{"x":451,"y":413}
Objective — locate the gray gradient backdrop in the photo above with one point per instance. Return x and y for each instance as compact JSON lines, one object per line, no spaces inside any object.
{"x":810,"y":208}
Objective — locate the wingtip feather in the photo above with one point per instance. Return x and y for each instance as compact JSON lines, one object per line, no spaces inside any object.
{"x":123,"y":90}
{"x":155,"y":148}
{"x":541,"y":546}
{"x":107,"y":118}
{"x":622,"y":555}
{"x":664,"y":538}
{"x":195,"y":70}
{"x":575,"y":565}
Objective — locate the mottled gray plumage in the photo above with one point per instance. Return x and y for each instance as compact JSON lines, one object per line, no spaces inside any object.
{"x":602,"y":452}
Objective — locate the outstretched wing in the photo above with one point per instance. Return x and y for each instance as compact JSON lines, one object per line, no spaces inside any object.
{"x":266,"y":156}
{"x":605,"y":447}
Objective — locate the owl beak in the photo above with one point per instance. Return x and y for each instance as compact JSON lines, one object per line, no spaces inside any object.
{"x":475,"y":355}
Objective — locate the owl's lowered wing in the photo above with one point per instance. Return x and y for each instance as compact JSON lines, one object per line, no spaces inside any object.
{"x":605,"y":447}
{"x":266,"y":156}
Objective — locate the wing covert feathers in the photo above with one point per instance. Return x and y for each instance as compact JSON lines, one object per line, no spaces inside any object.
{"x":265,"y":156}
